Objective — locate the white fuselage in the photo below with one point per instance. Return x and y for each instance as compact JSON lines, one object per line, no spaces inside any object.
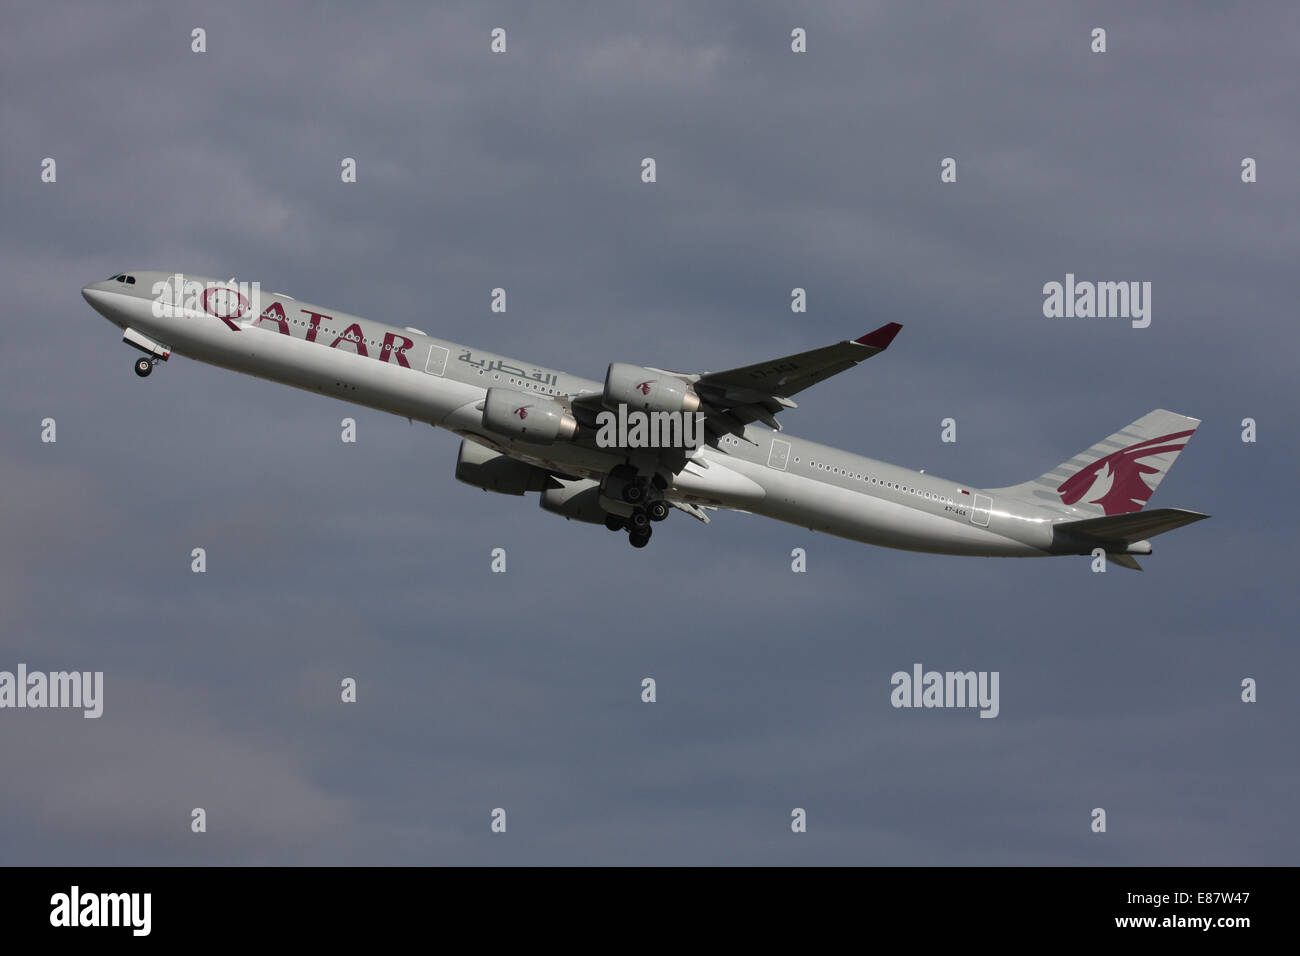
{"x":411,"y":374}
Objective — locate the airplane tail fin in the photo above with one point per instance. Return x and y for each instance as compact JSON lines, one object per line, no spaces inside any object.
{"x":1118,"y":475}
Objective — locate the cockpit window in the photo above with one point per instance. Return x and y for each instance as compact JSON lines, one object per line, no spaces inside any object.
{"x":130,"y":280}
{"x":121,"y":277}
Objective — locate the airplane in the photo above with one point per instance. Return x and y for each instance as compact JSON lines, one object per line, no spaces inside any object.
{"x":526,"y":428}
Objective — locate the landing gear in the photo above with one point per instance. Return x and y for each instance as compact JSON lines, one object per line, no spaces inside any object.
{"x":637,"y":526}
{"x":143,"y":366}
{"x":644,"y":493}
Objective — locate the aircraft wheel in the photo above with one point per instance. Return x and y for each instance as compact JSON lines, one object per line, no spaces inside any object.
{"x":658,"y":510}
{"x":143,"y":367}
{"x":638,"y":520}
{"x":639,"y":539}
{"x":633,"y":492}
{"x":614,"y":522}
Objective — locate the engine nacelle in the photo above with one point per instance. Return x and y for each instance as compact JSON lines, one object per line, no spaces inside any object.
{"x":529,"y":418}
{"x":645,"y":390}
{"x":578,"y":500}
{"x":484,"y":468}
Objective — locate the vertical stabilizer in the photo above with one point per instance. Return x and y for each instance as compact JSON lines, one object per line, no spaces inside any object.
{"x":1117,"y":475}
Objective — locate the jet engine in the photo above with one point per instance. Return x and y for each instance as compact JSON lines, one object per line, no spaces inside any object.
{"x":646,"y":390}
{"x":530,"y":418}
{"x":578,"y":500}
{"x":484,"y":468}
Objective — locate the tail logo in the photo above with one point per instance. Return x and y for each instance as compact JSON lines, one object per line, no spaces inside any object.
{"x":1115,"y":481}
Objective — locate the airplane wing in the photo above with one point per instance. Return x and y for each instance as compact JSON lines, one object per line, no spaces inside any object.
{"x":734,"y":398}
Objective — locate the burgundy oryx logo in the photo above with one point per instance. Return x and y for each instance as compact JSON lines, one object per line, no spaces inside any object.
{"x":644,"y":387}
{"x":522,"y":411}
{"x":1115,"y":481}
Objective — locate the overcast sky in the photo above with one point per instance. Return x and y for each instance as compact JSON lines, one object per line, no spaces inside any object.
{"x":522,"y":690}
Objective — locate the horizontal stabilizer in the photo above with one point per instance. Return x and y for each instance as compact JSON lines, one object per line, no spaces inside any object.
{"x":1130,"y":527}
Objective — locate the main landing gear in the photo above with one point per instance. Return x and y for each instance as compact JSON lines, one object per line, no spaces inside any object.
{"x":637,"y":524}
{"x":645,"y":495}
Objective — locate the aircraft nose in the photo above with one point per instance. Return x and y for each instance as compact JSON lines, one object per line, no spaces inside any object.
{"x":94,"y":294}
{"x":99,"y":297}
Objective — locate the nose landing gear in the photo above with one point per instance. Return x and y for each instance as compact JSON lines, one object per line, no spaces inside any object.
{"x":154,"y":352}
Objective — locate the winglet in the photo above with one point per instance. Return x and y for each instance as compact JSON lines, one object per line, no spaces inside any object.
{"x":881,"y":337}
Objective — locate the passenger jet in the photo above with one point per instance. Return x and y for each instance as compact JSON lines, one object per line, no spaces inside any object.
{"x":525,"y":428}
